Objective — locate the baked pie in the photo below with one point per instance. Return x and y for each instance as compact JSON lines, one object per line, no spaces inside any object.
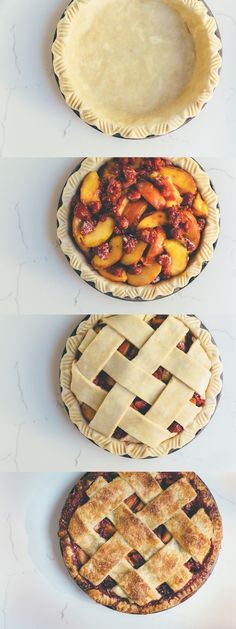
{"x":139,"y":542}
{"x":138,"y":227}
{"x":139,"y":68}
{"x":140,"y":385}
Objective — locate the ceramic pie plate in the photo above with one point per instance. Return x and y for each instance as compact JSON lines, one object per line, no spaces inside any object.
{"x":136,"y":449}
{"x":99,"y":526}
{"x":137,"y":69}
{"x":124,"y":291}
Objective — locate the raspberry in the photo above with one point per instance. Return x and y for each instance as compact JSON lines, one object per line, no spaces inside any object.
{"x":134,"y":195}
{"x":103,"y":250}
{"x":122,"y":224}
{"x":136,"y":269}
{"x":129,"y":243}
{"x":116,"y":270}
{"x":174,"y":216}
{"x":201,"y":223}
{"x":145,"y":234}
{"x":95,"y":207}
{"x":196,"y":399}
{"x":165,"y":261}
{"x":188,"y":199}
{"x":81,"y":211}
{"x":86,"y":227}
{"x":130,"y":174}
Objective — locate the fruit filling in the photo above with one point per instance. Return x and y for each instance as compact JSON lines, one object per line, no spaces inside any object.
{"x":138,"y":220}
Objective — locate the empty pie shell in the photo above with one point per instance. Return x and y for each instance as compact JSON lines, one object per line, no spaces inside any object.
{"x":165,"y":441}
{"x":81,"y":265}
{"x":140,"y":542}
{"x":137,"y":69}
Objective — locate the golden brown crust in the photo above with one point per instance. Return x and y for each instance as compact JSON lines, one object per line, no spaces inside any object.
{"x":121,"y":290}
{"x":117,"y":603}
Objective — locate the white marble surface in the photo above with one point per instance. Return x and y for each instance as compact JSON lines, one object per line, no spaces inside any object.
{"x":35,"y":121}
{"x":37,"y":434}
{"x":35,"y":276}
{"x":36,"y":590}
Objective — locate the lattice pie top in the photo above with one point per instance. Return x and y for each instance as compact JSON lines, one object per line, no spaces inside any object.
{"x":145,"y":538}
{"x":142,"y":379}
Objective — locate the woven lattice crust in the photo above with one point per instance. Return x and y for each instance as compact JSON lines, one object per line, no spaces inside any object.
{"x":171,"y":563}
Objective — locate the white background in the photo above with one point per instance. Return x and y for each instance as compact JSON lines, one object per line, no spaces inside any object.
{"x":38,"y":593}
{"x":35,"y":276}
{"x":35,"y":279}
{"x":35,"y":120}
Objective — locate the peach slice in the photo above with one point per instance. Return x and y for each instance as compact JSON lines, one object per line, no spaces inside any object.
{"x":135,"y":255}
{"x":134,"y":210}
{"x":180,"y":178}
{"x":147,"y":275}
{"x":87,"y":411}
{"x":156,"y":247}
{"x":113,"y":257}
{"x":100,"y":233}
{"x":200,"y":206}
{"x":89,"y":191}
{"x":151,"y":194}
{"x":76,"y":222}
{"x":192,"y":229}
{"x":112,"y":276}
{"x":109,"y":170}
{"x":178,"y":254}
{"x":173,"y":193}
{"x":153,"y":220}
{"x":122,"y":203}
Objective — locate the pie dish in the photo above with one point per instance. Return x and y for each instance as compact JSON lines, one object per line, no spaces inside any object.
{"x":137,"y":69}
{"x":141,"y":385}
{"x":138,"y":228}
{"x":140,"y":542}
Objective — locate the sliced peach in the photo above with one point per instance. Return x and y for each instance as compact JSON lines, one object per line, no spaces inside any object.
{"x":147,"y":275}
{"x":156,"y":247}
{"x":180,"y":178}
{"x":151,"y":194}
{"x":121,"y":205}
{"x":100,"y":233}
{"x":113,"y":257}
{"x":76,"y":222}
{"x":178,"y":254}
{"x":153,"y":220}
{"x":112,"y":276}
{"x":109,"y":170}
{"x":135,"y":255}
{"x":192,"y":229}
{"x":89,"y":191}
{"x":200,"y":206}
{"x":87,"y":411}
{"x":173,"y":193}
{"x":134,"y":210}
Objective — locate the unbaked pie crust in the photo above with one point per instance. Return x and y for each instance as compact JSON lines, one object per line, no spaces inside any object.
{"x":124,"y":291}
{"x":137,"y":68}
{"x":168,"y":402}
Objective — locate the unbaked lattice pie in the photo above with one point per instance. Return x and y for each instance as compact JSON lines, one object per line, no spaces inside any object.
{"x":137,"y":68}
{"x":139,"y":542}
{"x":141,"y":385}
